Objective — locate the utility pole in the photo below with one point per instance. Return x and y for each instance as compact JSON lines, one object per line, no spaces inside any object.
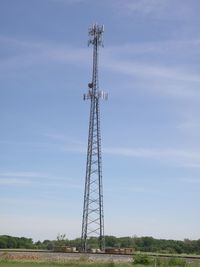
{"x":93,"y":216}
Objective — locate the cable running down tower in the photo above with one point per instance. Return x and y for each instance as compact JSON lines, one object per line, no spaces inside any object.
{"x":93,"y":217}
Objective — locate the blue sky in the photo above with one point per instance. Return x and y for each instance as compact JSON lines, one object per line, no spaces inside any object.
{"x":150,"y":124}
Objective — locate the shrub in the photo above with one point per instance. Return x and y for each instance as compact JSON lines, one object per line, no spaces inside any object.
{"x":176,"y":262}
{"x":142,"y":259}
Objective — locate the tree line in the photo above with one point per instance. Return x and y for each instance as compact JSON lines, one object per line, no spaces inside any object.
{"x":143,"y":244}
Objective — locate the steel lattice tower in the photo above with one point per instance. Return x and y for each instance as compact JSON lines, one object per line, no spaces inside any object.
{"x":93,"y":217}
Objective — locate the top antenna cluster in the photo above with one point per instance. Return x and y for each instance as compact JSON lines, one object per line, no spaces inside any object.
{"x":95,"y":34}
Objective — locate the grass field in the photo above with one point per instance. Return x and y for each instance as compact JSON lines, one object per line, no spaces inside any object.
{"x":14,"y":259}
{"x":9,"y":263}
{"x":55,"y":264}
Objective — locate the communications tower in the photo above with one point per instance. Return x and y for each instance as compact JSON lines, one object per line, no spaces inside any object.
{"x":93,"y":217}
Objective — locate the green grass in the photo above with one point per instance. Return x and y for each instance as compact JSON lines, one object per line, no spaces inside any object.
{"x":168,"y":254}
{"x":23,"y":263}
{"x":9,"y":263}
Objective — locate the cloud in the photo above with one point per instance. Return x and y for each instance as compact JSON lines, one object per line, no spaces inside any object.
{"x":146,"y":7}
{"x":14,"y":181}
{"x":68,"y":2}
{"x":191,"y":126}
{"x":27,"y":53}
{"x":67,"y":144}
{"x":20,"y":178}
{"x":33,"y":178}
{"x":178,"y":157}
{"x":172,"y":51}
{"x":142,"y":190}
{"x":23,"y":174}
{"x":191,"y":180}
{"x":162,"y":67}
{"x":157,"y":79}
{"x":63,"y":138}
{"x":159,"y":9}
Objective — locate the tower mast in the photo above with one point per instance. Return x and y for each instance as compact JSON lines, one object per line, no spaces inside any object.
{"x":93,"y":217}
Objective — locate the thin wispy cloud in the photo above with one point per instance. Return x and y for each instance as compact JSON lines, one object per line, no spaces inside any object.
{"x":67,"y":2}
{"x":14,"y":181}
{"x":11,"y":178}
{"x":158,"y":9}
{"x":178,"y":157}
{"x":191,"y":180}
{"x":173,"y":79}
{"x":20,"y":178}
{"x":61,"y":143}
{"x":143,"y":63}
{"x":63,"y":138}
{"x":146,"y":7}
{"x":183,"y":50}
{"x":147,"y":70}
{"x":191,"y":125}
{"x":142,"y":190}
{"x":23,"y":174}
{"x":66,"y":143}
{"x":27,"y":53}
{"x":33,"y":178}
